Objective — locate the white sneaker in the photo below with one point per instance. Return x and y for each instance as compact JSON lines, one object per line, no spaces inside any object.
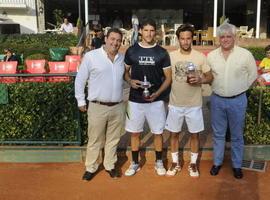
{"x":193,"y":170}
{"x":161,"y":171}
{"x":172,"y":171}
{"x":133,"y":168}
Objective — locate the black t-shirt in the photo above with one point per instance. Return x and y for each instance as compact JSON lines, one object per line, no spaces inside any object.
{"x":11,"y":58}
{"x":97,"y":42}
{"x":149,"y":62}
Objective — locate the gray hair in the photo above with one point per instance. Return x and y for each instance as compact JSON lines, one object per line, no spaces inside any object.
{"x":226,"y":28}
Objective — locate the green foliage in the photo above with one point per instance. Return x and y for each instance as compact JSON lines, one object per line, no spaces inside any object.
{"x":258,"y":52}
{"x":79,"y":23}
{"x":258,"y":133}
{"x":223,"y":19}
{"x":58,"y":16}
{"x":28,"y":44}
{"x":39,"y":112}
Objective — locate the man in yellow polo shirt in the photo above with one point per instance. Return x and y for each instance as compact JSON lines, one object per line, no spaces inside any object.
{"x":234,"y":71}
{"x":265,"y":64}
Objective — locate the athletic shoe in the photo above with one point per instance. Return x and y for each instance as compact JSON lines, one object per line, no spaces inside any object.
{"x":172,"y":171}
{"x":133,"y":168}
{"x":161,"y":171}
{"x":193,"y":170}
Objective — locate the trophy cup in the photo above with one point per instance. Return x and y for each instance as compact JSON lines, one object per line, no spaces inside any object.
{"x":191,"y":68}
{"x":146,"y":85}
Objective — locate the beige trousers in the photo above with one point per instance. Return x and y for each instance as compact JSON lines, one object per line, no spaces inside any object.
{"x":105,"y":127}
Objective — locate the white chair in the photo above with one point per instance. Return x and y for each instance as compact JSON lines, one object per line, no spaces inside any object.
{"x":167,"y":37}
{"x":126,"y":36}
{"x":249,"y":34}
{"x":242,"y":30}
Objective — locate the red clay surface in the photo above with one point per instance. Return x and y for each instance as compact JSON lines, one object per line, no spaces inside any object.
{"x":63,"y":181}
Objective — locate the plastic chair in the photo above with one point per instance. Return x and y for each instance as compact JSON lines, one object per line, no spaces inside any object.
{"x":8,"y":68}
{"x":168,"y":37}
{"x":58,"y":67}
{"x":208,"y":36}
{"x":72,"y":58}
{"x":35,"y":67}
{"x":196,"y":37}
{"x":74,"y":62}
{"x":242,"y":31}
{"x":248,"y":34}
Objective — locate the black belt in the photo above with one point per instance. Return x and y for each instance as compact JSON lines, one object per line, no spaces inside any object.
{"x":231,"y":97}
{"x":106,"y":103}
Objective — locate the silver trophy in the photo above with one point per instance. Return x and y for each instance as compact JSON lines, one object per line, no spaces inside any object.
{"x":146,"y":85}
{"x":191,"y":69}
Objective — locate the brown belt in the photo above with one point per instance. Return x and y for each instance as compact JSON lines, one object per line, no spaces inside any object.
{"x":106,"y":103}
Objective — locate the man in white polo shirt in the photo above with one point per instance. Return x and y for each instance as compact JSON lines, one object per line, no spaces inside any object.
{"x":66,"y":27}
{"x":103,"y":70}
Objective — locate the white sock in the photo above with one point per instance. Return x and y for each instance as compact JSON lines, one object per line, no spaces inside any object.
{"x":175,"y":157}
{"x":193,"y":157}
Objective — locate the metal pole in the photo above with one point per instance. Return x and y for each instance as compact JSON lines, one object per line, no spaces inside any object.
{"x":258,"y":18}
{"x":260,"y":106}
{"x":86,"y":16}
{"x":215,"y":17}
{"x":223,"y":8}
{"x":79,"y":8}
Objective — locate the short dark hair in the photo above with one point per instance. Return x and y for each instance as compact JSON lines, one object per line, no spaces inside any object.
{"x":114,"y":30}
{"x":97,"y":28}
{"x":183,"y":28}
{"x":148,"y":21}
{"x":8,"y":50}
{"x":267,"y":48}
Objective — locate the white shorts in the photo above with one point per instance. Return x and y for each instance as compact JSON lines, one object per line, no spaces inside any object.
{"x":192,"y":115}
{"x":153,"y":112}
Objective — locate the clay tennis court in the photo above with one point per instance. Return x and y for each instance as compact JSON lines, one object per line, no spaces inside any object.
{"x":63,"y":181}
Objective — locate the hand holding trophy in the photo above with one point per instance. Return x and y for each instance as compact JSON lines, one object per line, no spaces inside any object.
{"x":190,"y":71}
{"x":193,"y":77}
{"x":146,"y":85}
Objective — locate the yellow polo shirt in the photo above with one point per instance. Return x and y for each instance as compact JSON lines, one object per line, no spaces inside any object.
{"x":234,"y":75}
{"x":265,"y":63}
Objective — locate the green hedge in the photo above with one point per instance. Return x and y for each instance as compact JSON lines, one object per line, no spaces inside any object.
{"x":258,"y":133}
{"x":40,"y":112}
{"x":258,"y":52}
{"x":48,"y":112}
{"x":28,"y":44}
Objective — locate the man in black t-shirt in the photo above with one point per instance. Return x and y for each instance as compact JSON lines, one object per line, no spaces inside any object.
{"x":147,"y":60}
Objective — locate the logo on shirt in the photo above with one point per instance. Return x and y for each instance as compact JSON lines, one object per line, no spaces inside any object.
{"x":146,"y":60}
{"x":180,"y":71}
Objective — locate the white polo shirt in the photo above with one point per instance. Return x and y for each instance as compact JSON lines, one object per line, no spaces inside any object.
{"x":67,"y":28}
{"x":105,"y":78}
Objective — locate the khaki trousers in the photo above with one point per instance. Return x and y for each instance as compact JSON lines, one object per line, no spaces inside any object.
{"x":105,"y":127}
